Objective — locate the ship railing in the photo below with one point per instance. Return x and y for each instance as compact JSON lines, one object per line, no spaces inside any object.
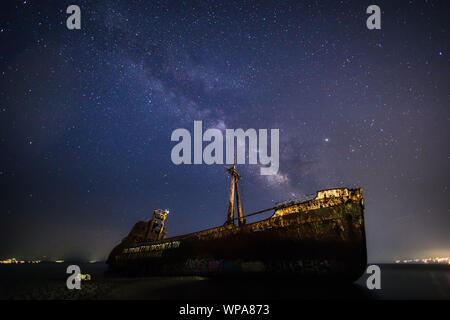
{"x":294,"y":201}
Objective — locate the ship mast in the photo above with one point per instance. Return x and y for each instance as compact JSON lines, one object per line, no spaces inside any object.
{"x":235,"y":176}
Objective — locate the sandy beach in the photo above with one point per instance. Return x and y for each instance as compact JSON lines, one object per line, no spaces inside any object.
{"x":48,"y":282}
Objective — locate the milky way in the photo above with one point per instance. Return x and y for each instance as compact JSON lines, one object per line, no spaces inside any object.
{"x":86,"y":116}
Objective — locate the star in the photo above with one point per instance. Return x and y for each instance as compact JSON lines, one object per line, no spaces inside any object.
{"x":87,"y":116}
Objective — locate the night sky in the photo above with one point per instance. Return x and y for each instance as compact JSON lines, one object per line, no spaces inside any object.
{"x":86,"y":116}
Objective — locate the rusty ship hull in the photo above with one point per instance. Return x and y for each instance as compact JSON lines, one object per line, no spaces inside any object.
{"x":322,"y":237}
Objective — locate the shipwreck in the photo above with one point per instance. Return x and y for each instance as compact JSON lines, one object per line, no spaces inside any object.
{"x":319,"y":237}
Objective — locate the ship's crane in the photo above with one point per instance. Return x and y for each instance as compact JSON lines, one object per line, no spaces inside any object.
{"x":156,"y":228}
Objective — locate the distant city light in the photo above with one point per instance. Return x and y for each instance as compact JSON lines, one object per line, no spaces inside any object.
{"x":15,"y":261}
{"x":435,"y":260}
